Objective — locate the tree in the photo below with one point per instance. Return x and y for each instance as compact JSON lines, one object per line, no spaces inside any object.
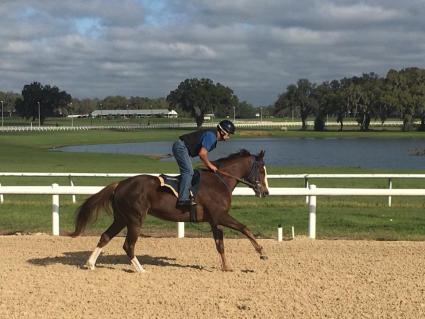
{"x":416,"y":79}
{"x":398,"y":83}
{"x":202,"y":96}
{"x":9,"y":101}
{"x":400,"y":94}
{"x":302,"y":95}
{"x":347,"y":98}
{"x":44,"y":101}
{"x":387,"y":100}
{"x":83,"y":107}
{"x":324,"y":96}
{"x":368,"y":84}
{"x":298,"y":97}
{"x":284,"y":105}
{"x":245,"y":110}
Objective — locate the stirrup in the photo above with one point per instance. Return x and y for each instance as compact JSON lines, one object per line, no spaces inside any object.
{"x":184,"y":204}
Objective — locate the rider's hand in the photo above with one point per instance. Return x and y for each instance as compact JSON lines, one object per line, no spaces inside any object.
{"x":213,"y":168}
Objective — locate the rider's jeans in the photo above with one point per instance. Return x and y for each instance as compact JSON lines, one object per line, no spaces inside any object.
{"x":181,"y":154}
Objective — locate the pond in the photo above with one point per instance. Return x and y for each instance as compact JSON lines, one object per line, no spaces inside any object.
{"x":391,"y":153}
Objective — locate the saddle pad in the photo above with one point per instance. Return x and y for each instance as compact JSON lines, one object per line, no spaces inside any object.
{"x":172,"y":183}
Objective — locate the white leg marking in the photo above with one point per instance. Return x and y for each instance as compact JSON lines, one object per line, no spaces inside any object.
{"x":137,"y":265}
{"x":93,"y":257}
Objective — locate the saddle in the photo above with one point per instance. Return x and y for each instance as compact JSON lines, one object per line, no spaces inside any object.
{"x":172,"y":183}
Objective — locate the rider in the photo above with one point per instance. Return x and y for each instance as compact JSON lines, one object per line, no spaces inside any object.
{"x":197,"y":143}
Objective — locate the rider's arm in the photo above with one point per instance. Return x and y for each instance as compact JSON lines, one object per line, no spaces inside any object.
{"x":203,"y":155}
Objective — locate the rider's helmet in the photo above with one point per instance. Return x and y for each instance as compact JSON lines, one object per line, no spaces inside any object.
{"x":227,"y":126}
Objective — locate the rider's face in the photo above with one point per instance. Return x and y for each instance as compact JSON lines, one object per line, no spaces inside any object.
{"x":224,"y":135}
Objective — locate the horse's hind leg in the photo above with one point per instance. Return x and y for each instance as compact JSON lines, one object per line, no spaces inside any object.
{"x":219,"y":243}
{"x":110,"y":233}
{"x":133,"y":233}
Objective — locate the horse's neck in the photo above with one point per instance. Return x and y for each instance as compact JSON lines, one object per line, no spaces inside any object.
{"x":237,"y":168}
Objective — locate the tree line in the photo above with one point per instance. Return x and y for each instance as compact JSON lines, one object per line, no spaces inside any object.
{"x":192,"y":98}
{"x":400,"y":94}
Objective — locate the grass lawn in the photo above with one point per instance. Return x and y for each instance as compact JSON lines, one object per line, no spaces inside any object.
{"x":348,"y":217}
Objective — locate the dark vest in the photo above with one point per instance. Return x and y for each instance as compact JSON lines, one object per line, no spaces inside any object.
{"x":193,"y":141}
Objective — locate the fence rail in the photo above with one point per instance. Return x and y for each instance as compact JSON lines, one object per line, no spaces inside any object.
{"x":176,"y":124}
{"x":55,"y":190}
{"x":305,"y":177}
{"x":289,"y":176}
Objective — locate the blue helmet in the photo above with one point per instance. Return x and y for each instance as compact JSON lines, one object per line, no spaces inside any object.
{"x":227,"y":126}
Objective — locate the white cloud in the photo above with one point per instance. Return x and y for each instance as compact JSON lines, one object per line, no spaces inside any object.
{"x":360,"y":13}
{"x":302,"y":36}
{"x":146,"y":47}
{"x":18,"y":47}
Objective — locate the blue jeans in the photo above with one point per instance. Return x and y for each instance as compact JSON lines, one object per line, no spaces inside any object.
{"x":181,"y":154}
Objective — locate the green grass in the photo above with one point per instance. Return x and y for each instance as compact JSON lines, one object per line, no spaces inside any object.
{"x":353,"y":218}
{"x":337,"y":217}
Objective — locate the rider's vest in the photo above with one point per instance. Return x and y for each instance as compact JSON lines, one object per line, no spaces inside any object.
{"x":193,"y":141}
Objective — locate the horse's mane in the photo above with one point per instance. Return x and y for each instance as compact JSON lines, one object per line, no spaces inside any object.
{"x":231,"y":157}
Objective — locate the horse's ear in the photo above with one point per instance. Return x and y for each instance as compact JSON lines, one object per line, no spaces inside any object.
{"x":260,"y":155}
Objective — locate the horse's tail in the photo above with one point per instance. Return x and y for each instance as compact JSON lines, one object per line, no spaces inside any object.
{"x":89,"y":210}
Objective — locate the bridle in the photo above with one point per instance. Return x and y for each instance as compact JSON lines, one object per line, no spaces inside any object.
{"x":253,"y":178}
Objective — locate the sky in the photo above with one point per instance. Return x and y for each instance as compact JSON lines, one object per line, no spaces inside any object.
{"x":99,"y":48}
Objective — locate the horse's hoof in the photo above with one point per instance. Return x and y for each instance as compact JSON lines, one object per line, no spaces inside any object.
{"x":227,"y":269}
{"x":264,"y":257}
{"x":89,"y":266}
{"x":137,"y":266}
{"x":140,"y":271}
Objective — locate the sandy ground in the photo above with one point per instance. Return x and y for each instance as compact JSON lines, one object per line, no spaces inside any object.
{"x":41,"y":277}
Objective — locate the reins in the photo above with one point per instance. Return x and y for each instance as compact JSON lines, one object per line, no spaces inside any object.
{"x":251,"y":180}
{"x":235,"y":177}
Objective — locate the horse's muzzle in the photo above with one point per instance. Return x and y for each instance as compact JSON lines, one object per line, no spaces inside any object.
{"x":262,"y":193}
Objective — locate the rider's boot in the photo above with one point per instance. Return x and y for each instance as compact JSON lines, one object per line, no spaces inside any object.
{"x":185,"y":205}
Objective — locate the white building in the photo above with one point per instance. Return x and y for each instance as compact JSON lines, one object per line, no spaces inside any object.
{"x":136,"y":113}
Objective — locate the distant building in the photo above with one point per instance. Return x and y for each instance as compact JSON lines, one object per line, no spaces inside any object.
{"x":209,"y":116}
{"x":136,"y":113}
{"x":172,"y":114}
{"x":77,"y":115}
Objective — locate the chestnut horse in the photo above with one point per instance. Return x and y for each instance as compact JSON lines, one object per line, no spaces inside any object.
{"x":135,"y":197}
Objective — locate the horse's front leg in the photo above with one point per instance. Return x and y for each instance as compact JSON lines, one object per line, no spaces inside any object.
{"x":230,"y":222}
{"x":219,"y":243}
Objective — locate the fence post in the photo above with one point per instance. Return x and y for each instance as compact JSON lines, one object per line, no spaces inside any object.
{"x":72,"y":184}
{"x":55,"y":212}
{"x":180,"y":230}
{"x":1,"y":197}
{"x":312,"y":215}
{"x":390,"y":186}
{"x":279,"y":232}
{"x":306,"y":186}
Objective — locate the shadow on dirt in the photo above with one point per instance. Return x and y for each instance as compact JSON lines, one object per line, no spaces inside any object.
{"x":106,"y":261}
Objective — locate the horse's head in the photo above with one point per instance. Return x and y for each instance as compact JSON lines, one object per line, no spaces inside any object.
{"x":258,"y":175}
{"x":250,"y":170}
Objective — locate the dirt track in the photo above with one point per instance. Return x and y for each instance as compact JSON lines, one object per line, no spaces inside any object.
{"x":40,"y":277}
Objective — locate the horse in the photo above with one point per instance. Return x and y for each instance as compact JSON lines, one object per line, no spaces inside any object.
{"x":135,"y":197}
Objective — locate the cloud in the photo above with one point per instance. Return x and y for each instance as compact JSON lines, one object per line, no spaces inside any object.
{"x":98,"y":48}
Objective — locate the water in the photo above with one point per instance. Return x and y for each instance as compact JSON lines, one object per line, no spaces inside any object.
{"x":389,"y":153}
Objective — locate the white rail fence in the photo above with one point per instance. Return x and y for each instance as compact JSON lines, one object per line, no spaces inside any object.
{"x":55,"y":190}
{"x":305,"y":177}
{"x":177,"y":124}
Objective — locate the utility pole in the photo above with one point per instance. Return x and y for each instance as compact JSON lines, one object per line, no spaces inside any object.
{"x":72,"y":115}
{"x":39,"y":117}
{"x":1,"y":113}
